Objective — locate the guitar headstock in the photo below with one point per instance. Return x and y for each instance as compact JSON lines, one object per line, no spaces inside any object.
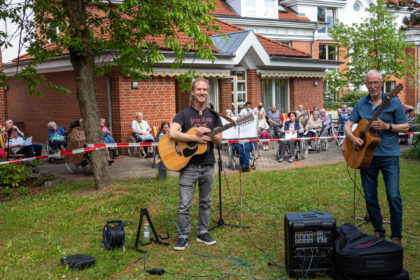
{"x":245,"y":119}
{"x":395,"y":91}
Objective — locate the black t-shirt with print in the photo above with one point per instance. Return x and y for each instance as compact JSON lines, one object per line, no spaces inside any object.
{"x":189,"y":118}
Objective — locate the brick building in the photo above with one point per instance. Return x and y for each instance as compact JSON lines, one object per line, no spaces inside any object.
{"x":248,"y":67}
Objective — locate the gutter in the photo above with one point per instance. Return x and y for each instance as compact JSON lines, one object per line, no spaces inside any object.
{"x":108,"y":94}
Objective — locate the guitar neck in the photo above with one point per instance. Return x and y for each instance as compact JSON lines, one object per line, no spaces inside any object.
{"x":221,"y":129}
{"x":378,"y":112}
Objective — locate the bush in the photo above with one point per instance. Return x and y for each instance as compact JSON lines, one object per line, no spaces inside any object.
{"x":336,"y":105}
{"x":414,"y":152}
{"x":13,"y":175}
{"x":353,"y":96}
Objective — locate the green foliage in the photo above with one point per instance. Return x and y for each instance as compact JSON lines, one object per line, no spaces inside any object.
{"x":23,"y":191}
{"x":336,"y":105}
{"x":335,"y":84}
{"x":353,"y":96}
{"x":414,"y":151}
{"x":13,"y":175}
{"x":8,"y":191}
{"x":375,"y":43}
{"x":124,"y":36}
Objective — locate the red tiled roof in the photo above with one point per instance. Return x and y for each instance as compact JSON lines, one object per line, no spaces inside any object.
{"x":272,"y":47}
{"x":222,"y":8}
{"x":289,"y":14}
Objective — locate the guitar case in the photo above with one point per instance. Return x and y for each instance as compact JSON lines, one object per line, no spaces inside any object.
{"x":363,"y":255}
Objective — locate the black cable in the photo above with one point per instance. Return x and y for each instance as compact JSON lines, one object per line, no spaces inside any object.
{"x":113,"y":236}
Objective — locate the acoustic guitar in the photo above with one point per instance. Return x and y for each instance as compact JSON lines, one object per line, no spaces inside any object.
{"x":361,"y":157}
{"x":176,"y":154}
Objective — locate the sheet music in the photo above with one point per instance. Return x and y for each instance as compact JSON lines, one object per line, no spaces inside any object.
{"x":245,"y":131}
{"x":290,"y":135}
{"x":28,"y":141}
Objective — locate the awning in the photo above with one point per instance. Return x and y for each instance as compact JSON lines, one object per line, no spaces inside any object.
{"x":164,"y":72}
{"x":287,"y":74}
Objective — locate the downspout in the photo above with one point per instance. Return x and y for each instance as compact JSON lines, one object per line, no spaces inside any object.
{"x":313,"y":40}
{"x":108,"y":94}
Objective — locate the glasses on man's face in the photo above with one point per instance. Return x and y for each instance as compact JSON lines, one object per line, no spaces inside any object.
{"x":374,"y":83}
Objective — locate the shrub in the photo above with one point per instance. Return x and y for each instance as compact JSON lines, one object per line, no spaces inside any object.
{"x":353,"y":96}
{"x":13,"y":175}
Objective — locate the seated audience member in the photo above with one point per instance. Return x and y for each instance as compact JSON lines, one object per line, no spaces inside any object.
{"x":343,"y":116}
{"x":290,"y":127}
{"x":263,"y":130}
{"x":229,"y":113}
{"x":36,"y":147}
{"x":259,"y":109}
{"x":57,"y":136}
{"x":164,"y":129}
{"x":411,"y":118}
{"x":326,"y":121}
{"x":313,"y":126}
{"x":302,"y":115}
{"x":16,"y":144}
{"x":246,"y":110}
{"x":274,"y":119}
{"x":108,"y":138}
{"x":2,"y":153}
{"x":141,"y":131}
{"x":244,"y":150}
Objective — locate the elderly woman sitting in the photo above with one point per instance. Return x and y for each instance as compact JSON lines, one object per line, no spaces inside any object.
{"x":58,"y":136}
{"x":326,"y":121}
{"x":313,"y":126}
{"x":263,"y":130}
{"x":108,"y":138}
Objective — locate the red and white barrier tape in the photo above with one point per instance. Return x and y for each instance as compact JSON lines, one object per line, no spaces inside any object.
{"x":93,"y":147}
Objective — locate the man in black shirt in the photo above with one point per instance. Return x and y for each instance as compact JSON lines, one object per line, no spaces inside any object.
{"x":201,"y":167}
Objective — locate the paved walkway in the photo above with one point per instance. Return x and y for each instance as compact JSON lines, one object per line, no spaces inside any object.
{"x":126,"y":167}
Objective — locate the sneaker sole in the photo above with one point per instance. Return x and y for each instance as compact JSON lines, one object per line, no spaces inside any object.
{"x":179,"y":248}
{"x":207,"y":243}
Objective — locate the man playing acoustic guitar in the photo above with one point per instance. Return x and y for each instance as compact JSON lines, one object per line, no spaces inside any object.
{"x":390,"y":122}
{"x":201,"y":167}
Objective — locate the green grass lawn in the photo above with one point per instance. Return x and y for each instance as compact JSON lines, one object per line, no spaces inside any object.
{"x":37,"y":230}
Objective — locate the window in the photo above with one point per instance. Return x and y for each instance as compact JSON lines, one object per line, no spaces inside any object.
{"x":388,"y":86}
{"x":357,"y":6}
{"x":327,"y":52}
{"x":238,"y":83}
{"x":249,"y":8}
{"x":269,"y":10}
{"x":275,"y":92}
{"x":326,"y":15}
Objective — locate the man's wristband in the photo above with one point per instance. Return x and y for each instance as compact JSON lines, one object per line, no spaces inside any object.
{"x":390,"y":128}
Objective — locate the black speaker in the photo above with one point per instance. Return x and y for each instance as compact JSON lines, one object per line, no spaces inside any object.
{"x":309,"y":243}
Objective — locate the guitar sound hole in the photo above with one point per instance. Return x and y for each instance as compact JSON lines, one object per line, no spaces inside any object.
{"x":191,"y":144}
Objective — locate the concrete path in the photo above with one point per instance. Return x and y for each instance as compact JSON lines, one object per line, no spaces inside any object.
{"x":126,"y":167}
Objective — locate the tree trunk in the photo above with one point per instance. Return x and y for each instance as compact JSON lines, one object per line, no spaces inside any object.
{"x":84,"y":72}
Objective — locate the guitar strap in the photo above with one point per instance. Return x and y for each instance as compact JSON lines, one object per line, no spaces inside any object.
{"x":221,"y":115}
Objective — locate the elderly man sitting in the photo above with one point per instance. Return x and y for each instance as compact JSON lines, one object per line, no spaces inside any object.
{"x":9,"y":125}
{"x":57,"y":136}
{"x":141,"y":131}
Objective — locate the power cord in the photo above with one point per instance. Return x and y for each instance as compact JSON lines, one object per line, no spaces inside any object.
{"x":240,"y":261}
{"x":309,"y":266}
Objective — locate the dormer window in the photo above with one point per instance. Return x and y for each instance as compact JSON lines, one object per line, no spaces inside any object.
{"x":249,"y":8}
{"x":326,"y":15}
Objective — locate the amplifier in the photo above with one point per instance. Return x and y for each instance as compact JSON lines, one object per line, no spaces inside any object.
{"x":309,"y":243}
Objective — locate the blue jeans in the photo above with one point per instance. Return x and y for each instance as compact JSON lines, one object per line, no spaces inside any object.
{"x":188,"y":178}
{"x":244,"y":151}
{"x":390,"y":167}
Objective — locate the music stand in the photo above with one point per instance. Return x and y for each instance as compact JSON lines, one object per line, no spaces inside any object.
{"x":221,"y":221}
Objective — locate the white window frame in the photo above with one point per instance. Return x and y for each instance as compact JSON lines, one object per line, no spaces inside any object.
{"x":328,"y":47}
{"x":273,"y":93}
{"x":235,"y":92}
{"x":324,"y":30}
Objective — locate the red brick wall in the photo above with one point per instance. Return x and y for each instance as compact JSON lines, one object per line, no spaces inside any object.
{"x":302,"y":46}
{"x":154,"y":97}
{"x":182,"y":97}
{"x":225,"y":94}
{"x":253,"y":87}
{"x":303,"y":91}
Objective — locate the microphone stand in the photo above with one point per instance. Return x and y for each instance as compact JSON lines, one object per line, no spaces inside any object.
{"x":221,"y":221}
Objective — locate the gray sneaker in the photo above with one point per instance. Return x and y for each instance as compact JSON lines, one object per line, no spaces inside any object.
{"x":206,"y":239}
{"x":180,"y":244}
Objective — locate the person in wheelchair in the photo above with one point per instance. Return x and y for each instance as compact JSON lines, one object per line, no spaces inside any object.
{"x":326,"y":121}
{"x":313,"y":127}
{"x":292,"y":126}
{"x":141,"y":131}
{"x":57,"y":137}
{"x":108,"y":139}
